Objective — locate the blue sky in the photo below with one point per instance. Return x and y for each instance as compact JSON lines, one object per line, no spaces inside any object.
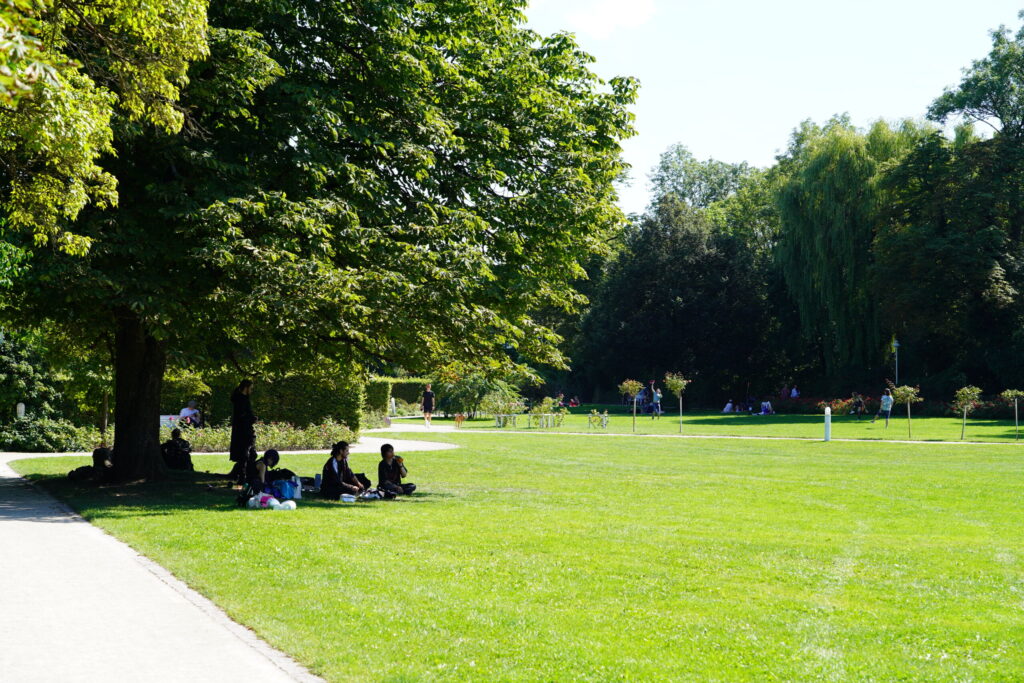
{"x":731,"y":78}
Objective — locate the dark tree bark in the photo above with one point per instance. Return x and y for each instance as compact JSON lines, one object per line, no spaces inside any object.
{"x":139,"y":363}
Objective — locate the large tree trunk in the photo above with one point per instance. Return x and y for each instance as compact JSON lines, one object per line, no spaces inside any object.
{"x":139,"y":362}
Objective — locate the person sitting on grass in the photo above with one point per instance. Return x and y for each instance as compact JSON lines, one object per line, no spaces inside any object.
{"x":766,"y":408}
{"x":857,"y":407}
{"x":177,"y":452}
{"x":259,"y":469}
{"x":337,"y":477}
{"x":390,"y":472}
{"x":728,"y":407}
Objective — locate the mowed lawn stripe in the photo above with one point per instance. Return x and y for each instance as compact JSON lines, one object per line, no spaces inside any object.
{"x":559,"y":557}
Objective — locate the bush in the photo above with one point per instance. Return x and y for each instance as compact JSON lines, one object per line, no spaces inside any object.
{"x":279,"y":435}
{"x":408,"y":389}
{"x":378,"y":395}
{"x":406,"y":408}
{"x":32,"y":434}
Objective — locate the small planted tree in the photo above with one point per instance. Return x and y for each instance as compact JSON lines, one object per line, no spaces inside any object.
{"x":1014,"y":395}
{"x":676,"y":383}
{"x":631,"y":388}
{"x":965,"y":400}
{"x":906,"y":395}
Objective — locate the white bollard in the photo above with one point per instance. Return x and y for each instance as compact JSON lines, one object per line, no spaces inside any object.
{"x":828,"y":423}
{"x":19,"y":410}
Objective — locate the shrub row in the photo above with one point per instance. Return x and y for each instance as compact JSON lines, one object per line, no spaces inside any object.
{"x":279,"y":435}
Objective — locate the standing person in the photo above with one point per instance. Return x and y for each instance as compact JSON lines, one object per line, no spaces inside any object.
{"x":857,"y":408}
{"x":428,"y":404}
{"x":885,"y":408}
{"x":390,"y":472}
{"x":794,"y":392}
{"x":655,"y":402}
{"x":243,"y":429}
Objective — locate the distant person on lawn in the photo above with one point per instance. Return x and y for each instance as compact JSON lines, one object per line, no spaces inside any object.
{"x":885,"y":408}
{"x":243,"y":430}
{"x":177,"y":452}
{"x":337,"y":477}
{"x":728,"y":407}
{"x":655,"y":402}
{"x":427,"y":404}
{"x":190,"y":415}
{"x":857,"y":407}
{"x":794,"y":392}
{"x":390,"y":472}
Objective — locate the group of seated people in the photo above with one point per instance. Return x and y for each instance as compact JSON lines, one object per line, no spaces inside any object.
{"x":337,"y":477}
{"x":749,"y":406}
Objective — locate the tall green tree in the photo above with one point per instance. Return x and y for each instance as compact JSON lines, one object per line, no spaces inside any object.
{"x":698,"y":183}
{"x":401,"y":181}
{"x":829,"y":210}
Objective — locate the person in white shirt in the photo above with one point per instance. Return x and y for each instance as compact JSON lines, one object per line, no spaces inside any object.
{"x":728,"y":407}
{"x":190,"y":415}
{"x":885,"y":408}
{"x":794,"y":393}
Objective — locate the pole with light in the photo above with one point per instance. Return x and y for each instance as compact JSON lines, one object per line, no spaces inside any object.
{"x":896,"y":352}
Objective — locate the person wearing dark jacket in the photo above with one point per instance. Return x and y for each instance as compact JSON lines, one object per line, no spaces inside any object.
{"x":243,"y":429}
{"x":177,"y":452}
{"x":257,"y":471}
{"x":337,"y":477}
{"x":390,"y":472}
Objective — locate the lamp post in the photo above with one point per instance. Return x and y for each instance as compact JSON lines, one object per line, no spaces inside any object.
{"x":896,"y":352}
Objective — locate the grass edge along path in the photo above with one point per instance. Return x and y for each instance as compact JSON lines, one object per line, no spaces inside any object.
{"x":649,"y":558}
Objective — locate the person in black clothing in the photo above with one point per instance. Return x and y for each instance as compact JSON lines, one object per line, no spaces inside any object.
{"x":177,"y":452}
{"x":337,"y":477}
{"x":390,"y":472}
{"x":256,"y":471}
{"x":243,"y":430}
{"x":428,"y":404}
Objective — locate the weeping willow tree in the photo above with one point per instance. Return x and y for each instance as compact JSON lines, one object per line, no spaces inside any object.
{"x":829,"y":212}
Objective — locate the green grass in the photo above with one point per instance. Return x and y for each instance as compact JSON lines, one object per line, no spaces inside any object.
{"x":559,"y":557}
{"x":802,"y":426}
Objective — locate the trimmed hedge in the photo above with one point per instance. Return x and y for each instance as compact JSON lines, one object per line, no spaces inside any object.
{"x":378,"y":395}
{"x":298,"y":399}
{"x":380,"y":391}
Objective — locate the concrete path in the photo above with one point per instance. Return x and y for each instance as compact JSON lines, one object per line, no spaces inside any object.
{"x":77,"y":605}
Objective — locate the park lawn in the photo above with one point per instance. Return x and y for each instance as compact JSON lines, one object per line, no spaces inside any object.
{"x":792,"y":426}
{"x":556,"y":557}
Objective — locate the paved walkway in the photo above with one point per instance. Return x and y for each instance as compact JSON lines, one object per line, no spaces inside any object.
{"x":77,"y":605}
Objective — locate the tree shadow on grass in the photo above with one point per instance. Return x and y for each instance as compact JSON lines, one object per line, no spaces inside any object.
{"x":194,"y":491}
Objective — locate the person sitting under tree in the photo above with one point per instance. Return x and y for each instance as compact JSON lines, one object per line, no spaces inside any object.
{"x":257,"y":470}
{"x":337,"y":477}
{"x":177,"y":452}
{"x":390,"y":472}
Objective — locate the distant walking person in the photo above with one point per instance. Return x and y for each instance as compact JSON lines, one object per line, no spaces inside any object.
{"x":885,"y":408}
{"x":243,"y":429}
{"x":428,"y":405}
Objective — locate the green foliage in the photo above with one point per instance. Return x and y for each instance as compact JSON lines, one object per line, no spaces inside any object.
{"x":378,"y":395}
{"x":698,"y":183}
{"x":58,"y":97}
{"x":680,"y":294}
{"x":905,"y":395}
{"x":966,"y":399}
{"x":408,"y":389}
{"x":1011,"y":395}
{"x":280,"y":435}
{"x":182,"y":386}
{"x":24,"y":378}
{"x":630,"y":387}
{"x":992,"y":88}
{"x":466,"y":394}
{"x":676,"y":383}
{"x":829,"y":213}
{"x":36,"y":434}
{"x":502,"y":402}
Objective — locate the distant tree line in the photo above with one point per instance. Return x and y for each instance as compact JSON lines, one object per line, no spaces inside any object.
{"x":806,"y":271}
